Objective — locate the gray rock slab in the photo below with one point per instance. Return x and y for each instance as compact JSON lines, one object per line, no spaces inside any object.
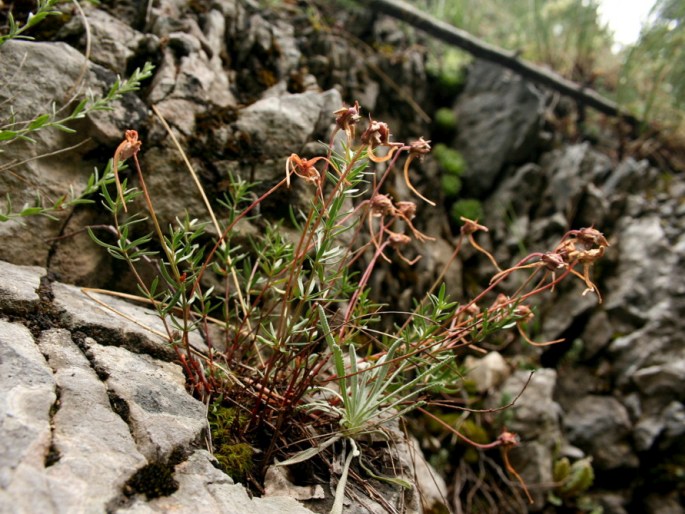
{"x":113,"y":41}
{"x":568,"y":171}
{"x":190,"y":68}
{"x":115,"y":321}
{"x":164,"y":162}
{"x":488,"y":372}
{"x":18,"y":288}
{"x":97,"y":452}
{"x":78,"y":259}
{"x":600,"y":426}
{"x":656,"y":503}
{"x":27,"y":393}
{"x":499,"y":118}
{"x":162,"y":416}
{"x":203,"y":488}
{"x":431,"y":488}
{"x":536,"y":414}
{"x":646,"y":431}
{"x":663,"y":380}
{"x":280,"y":125}
{"x":647,"y":271}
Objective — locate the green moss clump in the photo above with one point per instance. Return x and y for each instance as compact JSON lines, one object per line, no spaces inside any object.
{"x":451,"y":81}
{"x":451,"y":185}
{"x":445,"y":119}
{"x":235,"y":457}
{"x":477,"y":434}
{"x":450,"y":160}
{"x":468,"y":208}
{"x":236,"y":460}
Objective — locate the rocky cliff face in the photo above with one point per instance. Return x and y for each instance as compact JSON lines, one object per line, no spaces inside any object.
{"x":90,"y":398}
{"x":94,"y":416}
{"x":614,"y":389}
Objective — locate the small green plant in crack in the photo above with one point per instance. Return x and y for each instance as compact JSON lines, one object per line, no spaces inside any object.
{"x":571,"y":483}
{"x":304,"y":356}
{"x":363,"y":401}
{"x":446,"y":119}
{"x":235,"y":457}
{"x":467,"y":208}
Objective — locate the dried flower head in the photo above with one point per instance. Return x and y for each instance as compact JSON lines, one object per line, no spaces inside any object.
{"x":347,"y":117}
{"x":469,"y":227}
{"x":420,"y":147}
{"x":303,"y":168}
{"x":129,"y":147}
{"x":553,"y":261}
{"x":590,"y":237}
{"x":524,"y":313}
{"x":508,"y":439}
{"x":377,"y":134}
{"x":406,"y":209}
{"x":399,"y":240}
{"x":584,"y":246}
{"x":381,"y":205}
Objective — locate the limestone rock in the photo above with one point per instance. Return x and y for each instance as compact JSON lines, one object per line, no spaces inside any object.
{"x":27,"y":394}
{"x":499,"y":118}
{"x":280,"y":125}
{"x":115,"y":321}
{"x":601,"y":427}
{"x":113,"y":42}
{"x":19,"y":288}
{"x":537,"y":421}
{"x":56,"y":72}
{"x":93,"y":447}
{"x":78,"y":259}
{"x":79,"y":420}
{"x":487,"y":373}
{"x":151,"y":394}
{"x":203,"y":488}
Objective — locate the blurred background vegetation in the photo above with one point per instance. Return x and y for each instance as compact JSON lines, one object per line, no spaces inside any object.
{"x":647,"y":77}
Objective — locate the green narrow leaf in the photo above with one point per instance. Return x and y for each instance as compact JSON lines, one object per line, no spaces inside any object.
{"x":6,"y":135}
{"x":309,"y":453}
{"x":63,"y":128}
{"x":12,"y":24}
{"x":78,"y":111}
{"x":38,"y":122}
{"x":390,"y":480}
{"x":31,"y":211}
{"x":342,"y":483}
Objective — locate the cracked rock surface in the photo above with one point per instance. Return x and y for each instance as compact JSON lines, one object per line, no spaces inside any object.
{"x":83,"y":418}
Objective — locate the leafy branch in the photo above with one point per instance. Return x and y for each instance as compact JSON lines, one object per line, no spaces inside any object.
{"x":45,"y":9}
{"x":86,"y":106}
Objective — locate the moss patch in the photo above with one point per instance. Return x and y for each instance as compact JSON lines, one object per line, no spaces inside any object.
{"x":235,"y":457}
{"x":154,"y":480}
